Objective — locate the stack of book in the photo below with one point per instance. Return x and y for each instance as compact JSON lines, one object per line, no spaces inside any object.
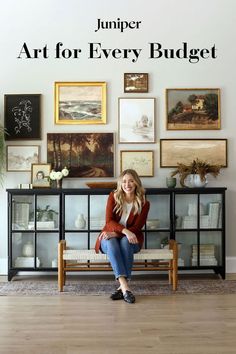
{"x":210,"y":221}
{"x":26,"y":262}
{"x":207,"y":255}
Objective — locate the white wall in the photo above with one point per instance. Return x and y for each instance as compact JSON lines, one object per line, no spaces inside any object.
{"x":201,"y":23}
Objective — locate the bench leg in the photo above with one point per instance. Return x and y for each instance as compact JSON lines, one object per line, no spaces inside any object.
{"x":60,"y":267}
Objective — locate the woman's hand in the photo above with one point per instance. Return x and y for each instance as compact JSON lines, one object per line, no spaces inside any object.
{"x":130,"y":236}
{"x":105,"y":235}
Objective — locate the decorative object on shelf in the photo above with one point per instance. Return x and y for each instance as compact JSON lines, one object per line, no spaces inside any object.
{"x":193,"y":109}
{"x":87,"y":155}
{"x":21,"y":157}
{"x":141,"y":161}
{"x":134,"y":82}
{"x":40,"y":175}
{"x":80,"y":221}
{"x":170,"y":182}
{"x":137,"y":120}
{"x":57,"y":176}
{"x":20,"y":215}
{"x":174,"y":151}
{"x":80,"y":102}
{"x":45,"y":214}
{"x":153,"y":224}
{"x":112,"y":185}
{"x":22,"y":116}
{"x":196,"y":173}
{"x":54,"y":263}
{"x":28,"y":249}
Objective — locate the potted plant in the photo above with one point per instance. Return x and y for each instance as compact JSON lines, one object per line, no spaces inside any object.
{"x":197,"y":170}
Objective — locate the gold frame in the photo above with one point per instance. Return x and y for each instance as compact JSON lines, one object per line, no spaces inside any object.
{"x":202,"y":124}
{"x":138,"y":167}
{"x":91,"y":120}
{"x":46,"y":168}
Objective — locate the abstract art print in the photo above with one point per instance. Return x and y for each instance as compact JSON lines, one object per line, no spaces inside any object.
{"x":139,"y":160}
{"x":86,"y":155}
{"x":80,"y":102}
{"x":193,"y":109}
{"x":137,"y":120}
{"x":22,"y":116}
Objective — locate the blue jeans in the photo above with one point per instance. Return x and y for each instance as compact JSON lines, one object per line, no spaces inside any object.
{"x":120,"y":253}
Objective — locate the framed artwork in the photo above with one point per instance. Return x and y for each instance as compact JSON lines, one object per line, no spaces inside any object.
{"x":139,"y":160}
{"x":86,"y":155}
{"x":20,"y":157}
{"x":22,"y":117}
{"x":174,"y":151}
{"x":80,"y":102}
{"x":134,"y":82}
{"x":193,"y":109}
{"x":40,"y":175}
{"x":137,"y":120}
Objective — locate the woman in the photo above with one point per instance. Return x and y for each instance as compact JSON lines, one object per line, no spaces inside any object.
{"x":122,"y":236}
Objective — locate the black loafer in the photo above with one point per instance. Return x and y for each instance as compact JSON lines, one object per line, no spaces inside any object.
{"x":129,"y":297}
{"x":117,"y":295}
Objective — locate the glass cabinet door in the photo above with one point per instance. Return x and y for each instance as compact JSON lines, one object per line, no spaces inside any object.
{"x":211,"y":206}
{"x":23,"y":250}
{"x":159,"y":213}
{"x":186,"y":211}
{"x":22,"y":212}
{"x":47,"y":212}
{"x":76,"y":212}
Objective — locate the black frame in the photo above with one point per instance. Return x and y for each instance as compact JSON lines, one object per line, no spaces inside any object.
{"x":22,"y":116}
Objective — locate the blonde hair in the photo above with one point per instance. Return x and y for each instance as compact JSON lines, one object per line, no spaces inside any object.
{"x":139,"y":194}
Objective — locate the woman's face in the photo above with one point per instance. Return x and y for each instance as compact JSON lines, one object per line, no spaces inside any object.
{"x":128,"y":184}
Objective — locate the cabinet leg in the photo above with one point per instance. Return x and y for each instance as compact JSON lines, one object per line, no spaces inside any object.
{"x":60,"y":267}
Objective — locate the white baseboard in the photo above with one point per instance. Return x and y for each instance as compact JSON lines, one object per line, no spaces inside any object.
{"x":3,"y":266}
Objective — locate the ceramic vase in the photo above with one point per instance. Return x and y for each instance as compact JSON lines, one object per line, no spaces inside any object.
{"x":80,"y":221}
{"x":28,"y":249}
{"x":195,"y":181}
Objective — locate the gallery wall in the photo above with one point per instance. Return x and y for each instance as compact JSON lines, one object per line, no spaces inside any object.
{"x":200,"y":24}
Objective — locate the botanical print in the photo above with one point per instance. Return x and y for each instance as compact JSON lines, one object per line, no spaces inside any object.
{"x":193,"y":109}
{"x":140,"y":161}
{"x":136,"y":120}
{"x":174,"y":151}
{"x":85,"y":155}
{"x":20,"y":158}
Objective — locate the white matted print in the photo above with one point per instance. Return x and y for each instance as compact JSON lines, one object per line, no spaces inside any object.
{"x":20,"y":157}
{"x":139,"y":160}
{"x":137,"y":120}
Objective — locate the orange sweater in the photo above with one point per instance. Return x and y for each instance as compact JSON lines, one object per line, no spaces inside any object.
{"x":135,"y":223}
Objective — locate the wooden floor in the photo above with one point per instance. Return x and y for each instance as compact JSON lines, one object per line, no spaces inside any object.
{"x":183,"y":324}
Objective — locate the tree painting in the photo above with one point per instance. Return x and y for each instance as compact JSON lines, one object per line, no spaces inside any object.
{"x":84,"y":154}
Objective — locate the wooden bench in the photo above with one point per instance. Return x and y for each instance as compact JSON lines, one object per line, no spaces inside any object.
{"x":146,"y":259}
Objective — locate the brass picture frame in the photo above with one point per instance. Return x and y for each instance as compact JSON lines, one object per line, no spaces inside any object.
{"x":135,"y":82}
{"x":193,"y":109}
{"x":142,"y":161}
{"x":174,"y":151}
{"x":80,"y":102}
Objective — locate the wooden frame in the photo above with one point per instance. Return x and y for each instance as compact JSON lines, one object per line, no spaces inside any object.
{"x":86,"y":155}
{"x":137,"y":120}
{"x":141,"y":161}
{"x":135,"y":82}
{"x":193,"y":109}
{"x":20,"y":157}
{"x":80,"y":103}
{"x":22,"y":116}
{"x":173,"y":151}
{"x":40,"y":175}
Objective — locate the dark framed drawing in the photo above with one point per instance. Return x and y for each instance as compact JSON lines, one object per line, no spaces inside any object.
{"x":136,"y":82}
{"x":22,"y":116}
{"x":137,"y":120}
{"x":80,"y":102}
{"x":86,"y":155}
{"x":174,"y":151}
{"x":139,"y":160}
{"x":21,"y":157}
{"x":40,"y":175}
{"x":193,"y":109}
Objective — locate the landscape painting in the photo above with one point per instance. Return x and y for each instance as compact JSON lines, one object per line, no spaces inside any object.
{"x":193,"y":109}
{"x":86,"y":155}
{"x":80,"y":102}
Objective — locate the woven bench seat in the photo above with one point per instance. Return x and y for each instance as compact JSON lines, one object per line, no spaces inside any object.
{"x":146,"y":259}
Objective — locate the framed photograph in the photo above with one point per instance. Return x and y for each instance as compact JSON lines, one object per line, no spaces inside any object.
{"x":139,"y":160}
{"x":137,"y":120}
{"x":174,"y":151}
{"x":86,"y":155}
{"x":22,"y":117}
{"x":40,"y":175}
{"x":193,"y":109}
{"x":134,"y":82}
{"x":21,"y":157}
{"x":80,"y":102}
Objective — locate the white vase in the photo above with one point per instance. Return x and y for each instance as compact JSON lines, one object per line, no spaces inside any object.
{"x":80,"y":221}
{"x":28,"y":249}
{"x":195,"y":181}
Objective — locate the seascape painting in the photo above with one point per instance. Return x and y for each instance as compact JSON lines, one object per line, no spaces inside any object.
{"x":193,"y":109}
{"x":86,"y":155}
{"x":80,"y":103}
